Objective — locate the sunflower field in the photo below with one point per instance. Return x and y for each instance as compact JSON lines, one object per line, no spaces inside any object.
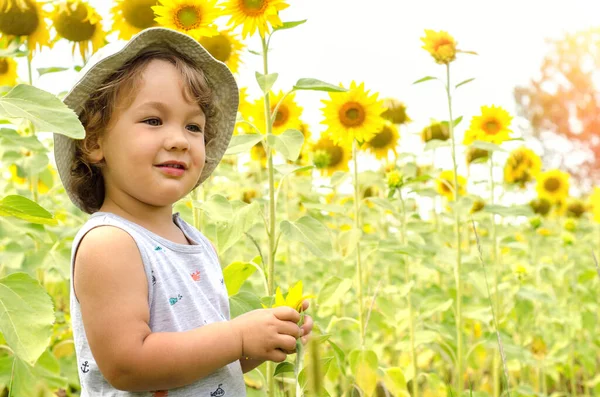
{"x":476,"y":278}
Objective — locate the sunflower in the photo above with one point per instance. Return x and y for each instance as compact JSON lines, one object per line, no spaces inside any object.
{"x":353,"y":114}
{"x":440,"y":45}
{"x":17,"y":174}
{"x":575,"y":208}
{"x":384,"y":141}
{"x":25,"y":19}
{"x":491,"y":126}
{"x":287,"y":117}
{"x":329,"y":157}
{"x":477,"y":206}
{"x":476,"y":154}
{"x":394,"y":179}
{"x":80,"y":24}
{"x":8,"y":71}
{"x":553,"y":185}
{"x":445,"y":185}
{"x":435,"y":130}
{"x":132,"y":16}
{"x":225,"y":47}
{"x":193,"y":17}
{"x":522,"y":166}
{"x":395,"y":111}
{"x":254,"y":14}
{"x":541,"y":206}
{"x":594,"y":202}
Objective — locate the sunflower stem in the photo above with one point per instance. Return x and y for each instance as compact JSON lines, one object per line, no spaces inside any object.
{"x":413,"y":351}
{"x":271,"y":232}
{"x":358,"y":262}
{"x":496,"y":360}
{"x":29,"y":56}
{"x":457,"y":270}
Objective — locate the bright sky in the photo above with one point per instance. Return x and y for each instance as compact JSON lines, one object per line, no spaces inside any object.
{"x":378,"y":42}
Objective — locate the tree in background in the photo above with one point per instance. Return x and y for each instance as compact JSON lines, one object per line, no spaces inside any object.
{"x":563,"y":100}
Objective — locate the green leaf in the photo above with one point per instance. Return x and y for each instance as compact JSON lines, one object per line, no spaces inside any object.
{"x":513,"y":210}
{"x":218,"y":208}
{"x":266,"y":81}
{"x":395,"y":382}
{"x":490,"y":147}
{"x":243,"y":302}
{"x":44,"y":110}
{"x":53,"y":69}
{"x":338,"y":177}
{"x":243,"y":143}
{"x":230,"y":232}
{"x":363,"y":364}
{"x":464,"y":82}
{"x":235,"y":274}
{"x":26,"y":316}
{"x":283,"y":368}
{"x":289,"y":25}
{"x":347,"y":241}
{"x":312,"y":233}
{"x":287,"y":169}
{"x":42,"y":379}
{"x":457,"y":121}
{"x":35,"y":163}
{"x":333,"y":291}
{"x":435,"y":143}
{"x":23,"y":208}
{"x":317,"y":85}
{"x":383,"y":203}
{"x":288,"y":144}
{"x":426,"y":78}
{"x":9,"y":137}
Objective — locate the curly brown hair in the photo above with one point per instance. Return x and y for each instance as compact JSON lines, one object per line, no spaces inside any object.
{"x":119,"y":91}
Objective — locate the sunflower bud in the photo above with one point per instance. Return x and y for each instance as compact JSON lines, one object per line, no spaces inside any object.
{"x":396,"y":111}
{"x":437,"y":131}
{"x":535,"y":221}
{"x":321,"y":159}
{"x":575,"y":209}
{"x":394,"y":179}
{"x":477,"y":206}
{"x":440,"y":45}
{"x":568,"y":238}
{"x":474,"y":153}
{"x":540,"y":206}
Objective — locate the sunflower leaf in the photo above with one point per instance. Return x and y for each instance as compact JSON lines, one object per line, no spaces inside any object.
{"x":53,"y":69}
{"x":426,"y":78}
{"x":283,"y":367}
{"x":312,"y":233}
{"x":317,"y":85}
{"x":288,"y":144}
{"x":490,"y":147}
{"x":464,"y":82}
{"x":243,"y":143}
{"x":266,"y":81}
{"x":44,"y":110}
{"x":23,"y":208}
{"x":289,"y":25}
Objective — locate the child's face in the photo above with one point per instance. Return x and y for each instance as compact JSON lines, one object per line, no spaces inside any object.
{"x":145,"y":141}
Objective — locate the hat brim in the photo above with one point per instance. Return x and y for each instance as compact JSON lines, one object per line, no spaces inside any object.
{"x":115,"y":55}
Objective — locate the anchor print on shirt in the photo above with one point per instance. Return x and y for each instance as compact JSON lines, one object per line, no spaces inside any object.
{"x":196,"y":275}
{"x":153,"y":278}
{"x":219,"y":392}
{"x":85,"y":367}
{"x":159,"y":248}
{"x":173,"y":301}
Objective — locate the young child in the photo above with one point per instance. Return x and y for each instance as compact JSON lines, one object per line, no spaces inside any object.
{"x":149,"y":306}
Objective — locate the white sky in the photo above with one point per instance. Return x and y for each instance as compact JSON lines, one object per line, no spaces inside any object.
{"x":378,"y":42}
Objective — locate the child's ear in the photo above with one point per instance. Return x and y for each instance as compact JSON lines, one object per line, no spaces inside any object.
{"x":96,"y":155}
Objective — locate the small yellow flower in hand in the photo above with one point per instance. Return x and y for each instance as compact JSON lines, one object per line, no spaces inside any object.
{"x":293,"y":299}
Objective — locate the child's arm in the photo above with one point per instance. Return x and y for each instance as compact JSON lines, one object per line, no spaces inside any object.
{"x":112,"y":289}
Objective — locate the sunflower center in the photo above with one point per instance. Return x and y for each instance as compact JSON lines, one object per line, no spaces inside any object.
{"x":254,"y":7}
{"x":336,"y":153}
{"x":352,"y":114}
{"x":188,"y":18}
{"x":382,"y":139}
{"x":19,"y":22}
{"x":491,"y":127}
{"x":282,"y":116}
{"x":219,"y":46}
{"x":138,"y":13}
{"x":551,"y":184}
{"x":73,"y":24}
{"x":3,"y":66}
{"x":441,"y":42}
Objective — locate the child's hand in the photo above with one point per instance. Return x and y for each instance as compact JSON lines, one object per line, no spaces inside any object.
{"x":266,"y":334}
{"x":307,"y":326}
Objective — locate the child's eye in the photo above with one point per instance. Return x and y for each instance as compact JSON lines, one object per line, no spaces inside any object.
{"x":153,"y":122}
{"x":195,"y":128}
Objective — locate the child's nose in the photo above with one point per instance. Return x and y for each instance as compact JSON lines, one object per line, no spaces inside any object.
{"x":177,"y":139}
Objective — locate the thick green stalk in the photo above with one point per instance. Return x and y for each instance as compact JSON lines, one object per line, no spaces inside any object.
{"x":271,"y":231}
{"x":457,"y":270}
{"x":496,"y":360}
{"x":411,"y":324}
{"x":358,"y":262}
